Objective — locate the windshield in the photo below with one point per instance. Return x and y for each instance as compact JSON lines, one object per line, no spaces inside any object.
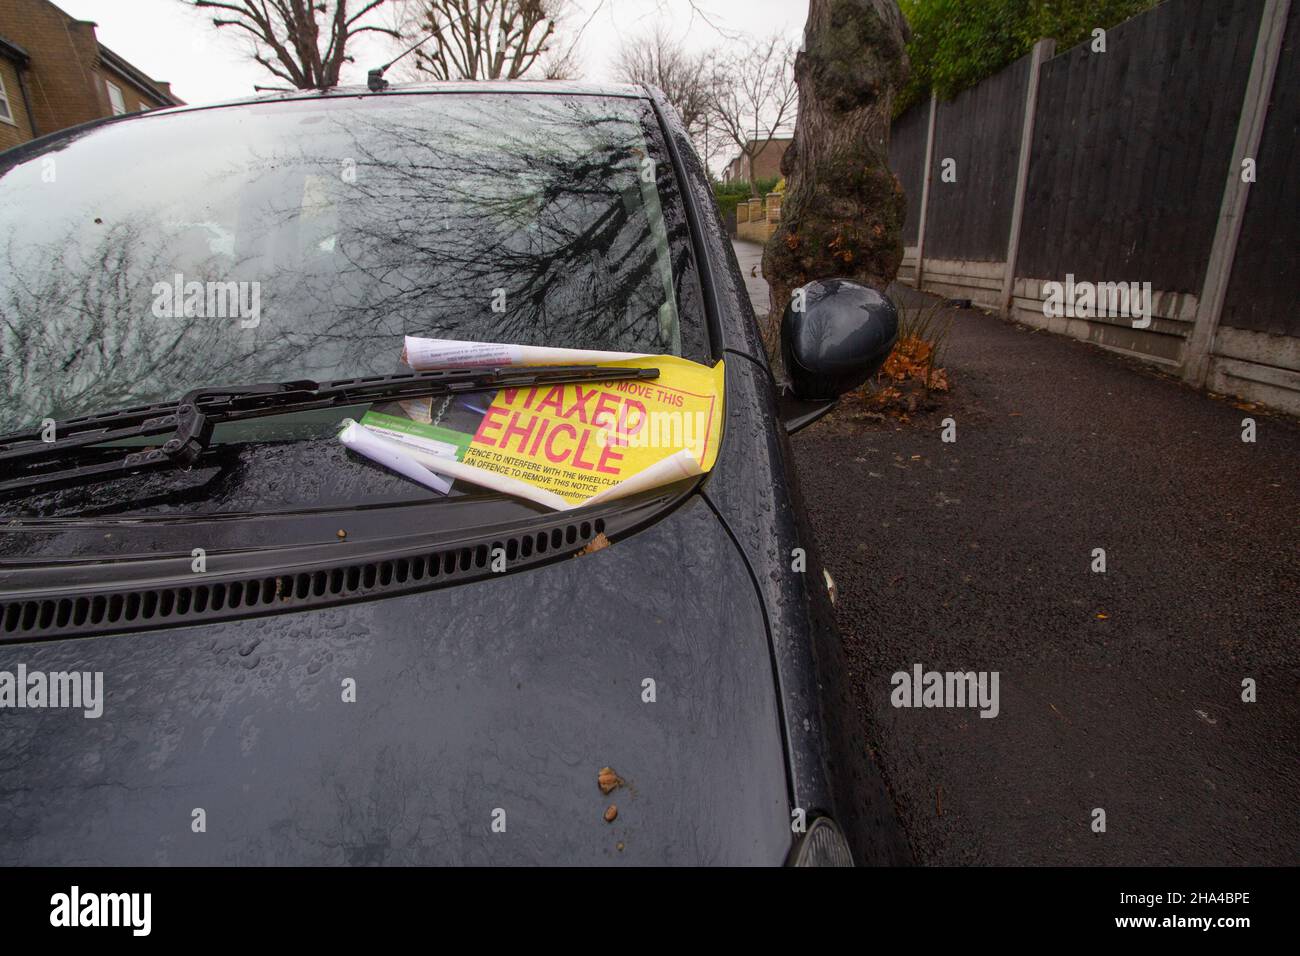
{"x":304,"y":239}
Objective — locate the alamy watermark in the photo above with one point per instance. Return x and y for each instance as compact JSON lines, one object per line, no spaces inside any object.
{"x":209,"y":300}
{"x":922,"y":688}
{"x":76,"y":908}
{"x":1087,"y":300}
{"x":78,"y":690}
{"x":687,"y":430}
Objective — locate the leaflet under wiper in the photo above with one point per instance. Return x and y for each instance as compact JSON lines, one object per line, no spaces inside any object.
{"x":28,"y":461}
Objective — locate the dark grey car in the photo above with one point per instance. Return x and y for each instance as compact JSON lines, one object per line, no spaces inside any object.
{"x":348,"y":681}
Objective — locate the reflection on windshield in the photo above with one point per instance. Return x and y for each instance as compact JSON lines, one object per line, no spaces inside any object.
{"x":304,"y":239}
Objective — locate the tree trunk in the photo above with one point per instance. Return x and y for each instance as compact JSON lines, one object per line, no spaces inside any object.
{"x":842,"y":213}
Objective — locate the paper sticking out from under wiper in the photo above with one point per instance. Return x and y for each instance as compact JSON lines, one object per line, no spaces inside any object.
{"x":426,"y":355}
{"x":560,"y":446}
{"x":401,"y":458}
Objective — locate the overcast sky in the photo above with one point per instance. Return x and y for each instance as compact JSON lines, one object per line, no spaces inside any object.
{"x":170,"y":42}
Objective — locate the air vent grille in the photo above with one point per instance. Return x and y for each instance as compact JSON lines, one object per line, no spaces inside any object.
{"x":127,"y":609}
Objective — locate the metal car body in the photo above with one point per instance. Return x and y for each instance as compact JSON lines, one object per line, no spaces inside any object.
{"x":355,"y":685}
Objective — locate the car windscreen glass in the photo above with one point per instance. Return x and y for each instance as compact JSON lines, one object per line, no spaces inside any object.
{"x":303,"y":239}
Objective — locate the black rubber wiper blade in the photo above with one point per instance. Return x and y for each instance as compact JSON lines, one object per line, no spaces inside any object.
{"x":28,"y":462}
{"x":142,"y":421}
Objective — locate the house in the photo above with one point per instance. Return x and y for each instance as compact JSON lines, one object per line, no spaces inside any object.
{"x":54,"y":73}
{"x":766,"y":165}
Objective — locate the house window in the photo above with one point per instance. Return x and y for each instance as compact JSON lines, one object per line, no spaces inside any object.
{"x":6,"y":111}
{"x":115,"y":97}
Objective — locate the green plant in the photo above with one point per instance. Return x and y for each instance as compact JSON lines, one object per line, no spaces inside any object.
{"x":926,"y":331}
{"x":923,"y":332}
{"x":729,"y":195}
{"x":957,"y":43}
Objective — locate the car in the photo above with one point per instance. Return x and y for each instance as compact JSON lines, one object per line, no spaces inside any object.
{"x":299,"y":657}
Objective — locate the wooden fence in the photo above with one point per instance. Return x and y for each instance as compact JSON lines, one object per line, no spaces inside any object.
{"x":1168,"y":158}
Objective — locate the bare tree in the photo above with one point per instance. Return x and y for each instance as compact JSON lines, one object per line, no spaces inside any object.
{"x":488,"y":39}
{"x":287,"y":34}
{"x":753,"y":96}
{"x":843,"y":209}
{"x":685,"y":78}
{"x":561,"y":63}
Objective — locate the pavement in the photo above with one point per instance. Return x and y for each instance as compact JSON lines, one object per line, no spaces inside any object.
{"x":1119,"y":691}
{"x":750,"y":257}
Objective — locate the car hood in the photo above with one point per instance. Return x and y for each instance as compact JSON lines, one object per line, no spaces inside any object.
{"x":496,"y":702}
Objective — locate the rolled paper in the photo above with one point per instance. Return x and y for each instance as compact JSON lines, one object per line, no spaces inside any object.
{"x":424,"y":354}
{"x":390,"y":454}
{"x":414,"y":463}
{"x":675,"y":467}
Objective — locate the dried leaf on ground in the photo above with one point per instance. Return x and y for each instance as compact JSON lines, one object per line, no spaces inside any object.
{"x":608,"y":780}
{"x":906,"y":382}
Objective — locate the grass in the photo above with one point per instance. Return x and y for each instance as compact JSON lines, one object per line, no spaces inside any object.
{"x":914,"y":369}
{"x":922,"y":337}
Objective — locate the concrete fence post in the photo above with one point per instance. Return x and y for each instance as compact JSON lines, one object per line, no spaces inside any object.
{"x":925,"y":189}
{"x":1043,"y":51}
{"x":1199,"y":345}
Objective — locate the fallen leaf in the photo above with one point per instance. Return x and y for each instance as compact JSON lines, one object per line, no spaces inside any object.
{"x":611,"y":813}
{"x":1103,"y":617}
{"x":608,"y":780}
{"x":595,"y":544}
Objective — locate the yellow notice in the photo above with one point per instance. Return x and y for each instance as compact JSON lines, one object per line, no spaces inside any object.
{"x":579,"y":440}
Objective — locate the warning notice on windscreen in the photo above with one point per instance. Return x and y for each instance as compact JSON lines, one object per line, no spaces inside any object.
{"x":575,"y":441}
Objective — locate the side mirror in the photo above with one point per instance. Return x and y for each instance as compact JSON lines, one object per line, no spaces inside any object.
{"x":839,"y":339}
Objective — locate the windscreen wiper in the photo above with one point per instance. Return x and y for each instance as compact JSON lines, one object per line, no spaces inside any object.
{"x":28,"y":461}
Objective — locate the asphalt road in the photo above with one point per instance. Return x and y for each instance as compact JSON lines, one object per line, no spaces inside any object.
{"x":1119,"y":690}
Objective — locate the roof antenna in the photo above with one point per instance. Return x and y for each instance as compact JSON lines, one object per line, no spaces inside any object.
{"x":375,"y":78}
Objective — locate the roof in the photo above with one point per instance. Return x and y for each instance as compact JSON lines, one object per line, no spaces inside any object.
{"x":14,"y":52}
{"x":561,"y":87}
{"x":789,"y":138}
{"x":571,"y":87}
{"x":136,"y":77}
{"x":785,"y":138}
{"x":576,"y":87}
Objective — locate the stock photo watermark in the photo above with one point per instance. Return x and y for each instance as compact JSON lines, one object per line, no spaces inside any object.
{"x":76,"y":908}
{"x":1088,"y":300}
{"x":22,"y":689}
{"x":209,"y":300}
{"x":949,"y":689}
